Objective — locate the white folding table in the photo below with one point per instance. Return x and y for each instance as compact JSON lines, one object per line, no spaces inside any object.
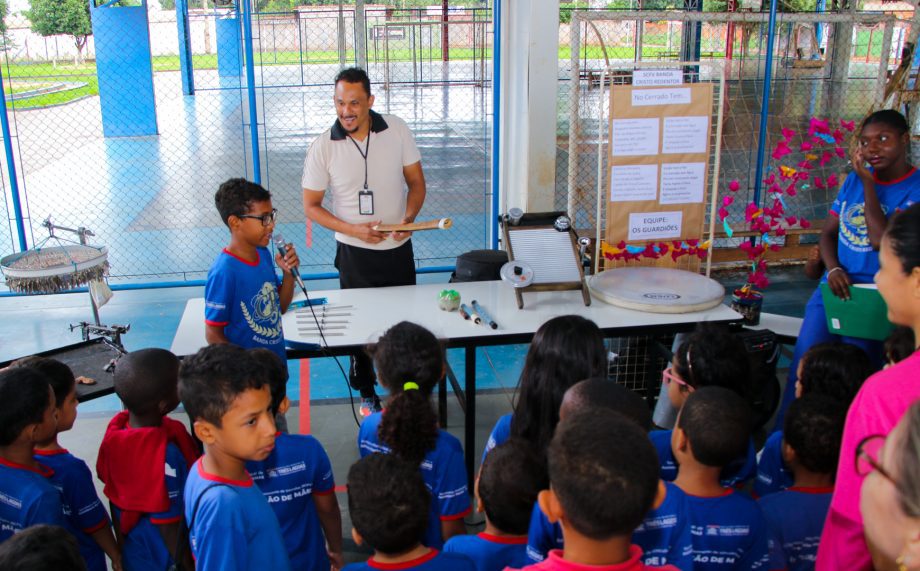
{"x":373,"y":310}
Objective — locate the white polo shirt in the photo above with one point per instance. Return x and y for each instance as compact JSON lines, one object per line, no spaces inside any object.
{"x":335,"y":164}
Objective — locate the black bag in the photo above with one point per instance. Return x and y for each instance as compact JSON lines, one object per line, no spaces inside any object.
{"x":479,"y":266}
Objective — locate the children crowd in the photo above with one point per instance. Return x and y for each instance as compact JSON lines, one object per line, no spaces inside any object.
{"x":574,"y":478}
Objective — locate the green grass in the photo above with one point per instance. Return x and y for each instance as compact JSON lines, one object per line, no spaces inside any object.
{"x":862,"y":46}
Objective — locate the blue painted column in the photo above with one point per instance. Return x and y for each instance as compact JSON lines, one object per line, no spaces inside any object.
{"x":125,"y":70}
{"x":186,"y":65}
{"x":229,"y":62}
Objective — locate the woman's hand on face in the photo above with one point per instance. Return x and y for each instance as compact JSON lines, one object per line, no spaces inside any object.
{"x":859,"y":162}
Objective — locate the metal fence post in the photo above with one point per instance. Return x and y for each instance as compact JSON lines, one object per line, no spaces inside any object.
{"x":11,"y":171}
{"x":765,"y":103}
{"x":251,"y":92}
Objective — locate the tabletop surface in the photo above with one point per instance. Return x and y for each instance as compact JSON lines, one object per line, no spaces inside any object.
{"x":356,"y":317}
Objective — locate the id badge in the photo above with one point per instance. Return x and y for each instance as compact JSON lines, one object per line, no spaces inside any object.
{"x":366,"y":203}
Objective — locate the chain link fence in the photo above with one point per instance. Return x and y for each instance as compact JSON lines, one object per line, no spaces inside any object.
{"x":808,"y":83}
{"x":134,"y":147}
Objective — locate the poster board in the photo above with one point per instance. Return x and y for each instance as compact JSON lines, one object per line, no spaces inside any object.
{"x":658,"y":162}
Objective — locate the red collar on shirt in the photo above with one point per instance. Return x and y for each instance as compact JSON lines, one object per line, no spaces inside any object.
{"x":812,"y":490}
{"x":215,"y":478}
{"x":247,"y":262}
{"x":896,"y":181}
{"x":503,"y":539}
{"x":373,"y":563}
{"x":41,"y":470}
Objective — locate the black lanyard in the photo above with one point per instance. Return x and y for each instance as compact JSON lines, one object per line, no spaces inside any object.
{"x":367,"y":150}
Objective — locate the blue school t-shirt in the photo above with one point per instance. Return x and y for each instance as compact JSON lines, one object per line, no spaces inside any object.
{"x":772,"y":474}
{"x":854,"y":251}
{"x":500,"y":434}
{"x":297,"y":470}
{"x":796,"y":519}
{"x":84,"y":514}
{"x":242,"y":297}
{"x":664,"y":534}
{"x":143,"y":547}
{"x":739,"y":471}
{"x":27,"y":498}
{"x":432,"y":561}
{"x":729,"y":532}
{"x":490,"y":552}
{"x":231,"y":525}
{"x":443,"y":471}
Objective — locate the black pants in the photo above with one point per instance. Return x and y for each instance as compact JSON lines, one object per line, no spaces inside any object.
{"x":363,"y":267}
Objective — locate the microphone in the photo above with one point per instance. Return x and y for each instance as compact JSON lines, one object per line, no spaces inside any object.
{"x":282,"y":248}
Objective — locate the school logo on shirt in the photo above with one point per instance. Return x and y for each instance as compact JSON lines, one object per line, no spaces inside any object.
{"x":265,"y":318}
{"x":853,"y":229}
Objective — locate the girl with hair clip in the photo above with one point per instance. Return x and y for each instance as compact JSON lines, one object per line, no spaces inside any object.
{"x":890,"y":500}
{"x":563,"y":351}
{"x":882,"y":182}
{"x":882,"y":399}
{"x":709,"y":357}
{"x":410,"y":361}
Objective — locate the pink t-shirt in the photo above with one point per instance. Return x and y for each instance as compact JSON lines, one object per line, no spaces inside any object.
{"x":555,"y":562}
{"x":879,"y":405}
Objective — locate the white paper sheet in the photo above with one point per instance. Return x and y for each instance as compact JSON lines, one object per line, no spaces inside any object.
{"x":674,"y":96}
{"x":635,"y":137}
{"x":685,"y":135}
{"x":682,"y":183}
{"x":633,"y":182}
{"x":654,"y":225}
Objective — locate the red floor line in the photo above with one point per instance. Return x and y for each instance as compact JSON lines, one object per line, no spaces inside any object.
{"x":304,"y":414}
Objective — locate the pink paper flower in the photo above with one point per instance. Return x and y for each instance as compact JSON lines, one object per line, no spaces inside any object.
{"x":840,"y":152}
{"x":781,"y":150}
{"x":848,"y":125}
{"x":788,"y":133}
{"x":791,"y":220}
{"x":727,"y":200}
{"x":770,"y":179}
{"x":825,"y":158}
{"x":723,"y":213}
{"x":805,"y":146}
{"x":805,"y":165}
{"x":734,"y":186}
{"x":819,"y":182}
{"x":832,"y":181}
{"x":818,"y":125}
{"x":804,"y":223}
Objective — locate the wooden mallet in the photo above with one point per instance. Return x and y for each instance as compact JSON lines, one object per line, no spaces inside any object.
{"x":440,"y":224}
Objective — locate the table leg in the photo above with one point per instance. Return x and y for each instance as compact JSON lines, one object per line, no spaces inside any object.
{"x":469,"y":429}
{"x":442,"y":403}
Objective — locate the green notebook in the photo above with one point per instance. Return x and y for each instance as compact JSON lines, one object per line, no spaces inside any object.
{"x":864,"y":315}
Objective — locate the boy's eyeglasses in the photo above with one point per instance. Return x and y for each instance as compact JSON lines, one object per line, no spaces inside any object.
{"x":667,"y":376}
{"x":867,"y":452}
{"x":266,"y":219}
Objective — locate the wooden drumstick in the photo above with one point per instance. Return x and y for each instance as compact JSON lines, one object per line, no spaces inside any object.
{"x":440,"y":224}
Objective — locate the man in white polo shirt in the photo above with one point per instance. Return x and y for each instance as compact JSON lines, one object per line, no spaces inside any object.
{"x":363,"y":160}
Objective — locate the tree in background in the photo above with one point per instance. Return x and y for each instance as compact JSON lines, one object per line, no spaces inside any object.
{"x":67,"y":17}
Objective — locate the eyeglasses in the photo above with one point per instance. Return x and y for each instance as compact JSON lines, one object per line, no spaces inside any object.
{"x":266,"y":219}
{"x":867,"y":457}
{"x":667,"y":376}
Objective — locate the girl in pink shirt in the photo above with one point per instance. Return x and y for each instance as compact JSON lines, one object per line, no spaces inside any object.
{"x":883,"y":398}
